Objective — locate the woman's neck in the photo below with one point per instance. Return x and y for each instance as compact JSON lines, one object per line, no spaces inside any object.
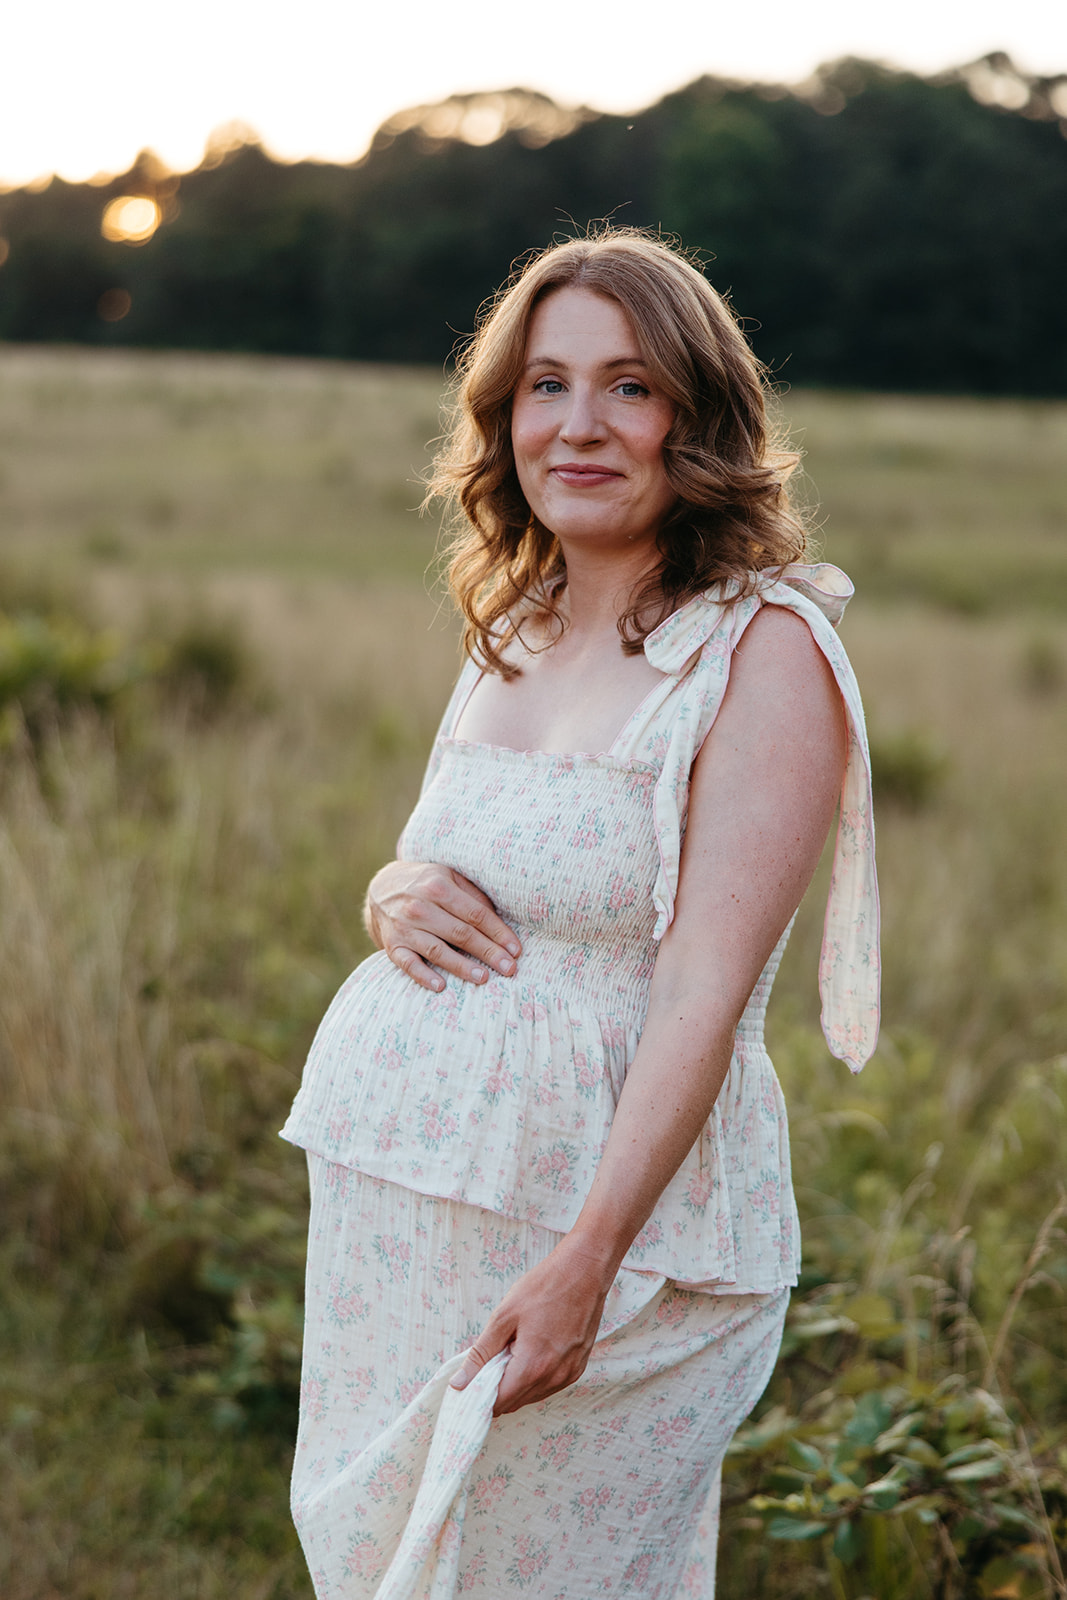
{"x":599,"y":591}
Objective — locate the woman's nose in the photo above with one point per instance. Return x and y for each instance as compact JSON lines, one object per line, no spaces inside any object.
{"x":583,"y":423}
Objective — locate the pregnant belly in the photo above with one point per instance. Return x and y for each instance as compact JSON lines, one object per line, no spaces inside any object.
{"x":502,"y":1095}
{"x":501,"y":1092}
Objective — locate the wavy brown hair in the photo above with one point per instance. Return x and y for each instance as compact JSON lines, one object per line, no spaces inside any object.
{"x":731,"y":519}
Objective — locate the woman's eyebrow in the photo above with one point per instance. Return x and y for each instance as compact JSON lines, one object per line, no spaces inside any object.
{"x":616,"y":361}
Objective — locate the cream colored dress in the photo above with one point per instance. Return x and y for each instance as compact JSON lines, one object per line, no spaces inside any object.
{"x":454,"y":1137}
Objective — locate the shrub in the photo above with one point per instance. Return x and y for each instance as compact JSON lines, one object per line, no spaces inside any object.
{"x":51,"y":666}
{"x":208,"y":662}
{"x":1042,"y":668}
{"x":882,"y":1467}
{"x":907,"y":769}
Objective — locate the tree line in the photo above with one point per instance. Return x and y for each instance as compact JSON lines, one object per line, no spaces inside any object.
{"x":874,"y":229}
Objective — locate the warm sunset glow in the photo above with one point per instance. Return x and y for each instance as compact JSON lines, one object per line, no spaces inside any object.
{"x":131,"y":219}
{"x":92,"y":89}
{"x":5,"y":251}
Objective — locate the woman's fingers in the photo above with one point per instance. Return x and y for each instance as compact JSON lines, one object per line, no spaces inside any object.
{"x":436,"y":938}
{"x":424,"y":958}
{"x":530,"y":1377}
{"x":445,"y":928}
{"x":548,"y":1320}
{"x":411,"y":963}
{"x":478,"y":929}
{"x":495,"y":1337}
{"x":526,"y":1379}
{"x":426,"y":916}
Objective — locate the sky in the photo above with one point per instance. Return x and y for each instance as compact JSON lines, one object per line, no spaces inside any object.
{"x":87,"y":87}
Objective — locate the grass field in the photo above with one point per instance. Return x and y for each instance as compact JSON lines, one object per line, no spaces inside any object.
{"x":221,"y":662}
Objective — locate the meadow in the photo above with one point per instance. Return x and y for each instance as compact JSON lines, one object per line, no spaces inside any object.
{"x":222,"y":657}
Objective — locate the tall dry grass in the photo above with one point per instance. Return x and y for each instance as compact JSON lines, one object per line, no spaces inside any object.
{"x":180,"y":889}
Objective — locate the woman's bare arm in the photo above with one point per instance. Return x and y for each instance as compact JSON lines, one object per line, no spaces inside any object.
{"x":763,"y":793}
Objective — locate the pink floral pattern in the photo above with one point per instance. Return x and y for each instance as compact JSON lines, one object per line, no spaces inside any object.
{"x":453,"y":1137}
{"x":503,"y":1094}
{"x":406,"y":1490}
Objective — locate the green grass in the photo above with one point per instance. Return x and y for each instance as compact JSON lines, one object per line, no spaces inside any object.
{"x":184,"y":846}
{"x":193,"y":464}
{"x":961,"y":504}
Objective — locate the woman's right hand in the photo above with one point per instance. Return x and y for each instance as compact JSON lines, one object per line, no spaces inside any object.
{"x":425,"y":916}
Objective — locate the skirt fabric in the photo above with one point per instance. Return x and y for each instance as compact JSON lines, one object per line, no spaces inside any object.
{"x":404,"y":1489}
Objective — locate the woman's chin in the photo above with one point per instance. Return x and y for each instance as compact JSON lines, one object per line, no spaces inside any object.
{"x":602,"y":536}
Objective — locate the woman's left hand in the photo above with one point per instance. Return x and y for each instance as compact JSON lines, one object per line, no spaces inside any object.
{"x":549,"y":1321}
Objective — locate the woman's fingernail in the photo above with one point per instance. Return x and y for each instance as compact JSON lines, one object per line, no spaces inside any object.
{"x":461,"y":1380}
{"x":514,"y":948}
{"x":506,"y":967}
{"x":478,"y":974}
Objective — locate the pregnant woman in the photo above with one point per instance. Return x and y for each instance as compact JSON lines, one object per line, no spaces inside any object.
{"x":553,"y":1229}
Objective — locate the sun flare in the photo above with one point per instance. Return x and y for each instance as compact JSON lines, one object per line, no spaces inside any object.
{"x":131,"y":219}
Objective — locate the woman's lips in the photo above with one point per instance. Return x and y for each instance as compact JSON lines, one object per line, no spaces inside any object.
{"x":583,"y":476}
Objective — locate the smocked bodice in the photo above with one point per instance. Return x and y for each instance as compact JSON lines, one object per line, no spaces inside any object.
{"x":563,"y":846}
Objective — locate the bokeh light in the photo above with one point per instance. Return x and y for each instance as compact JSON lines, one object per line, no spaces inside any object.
{"x":114,"y":304}
{"x":131,"y":219}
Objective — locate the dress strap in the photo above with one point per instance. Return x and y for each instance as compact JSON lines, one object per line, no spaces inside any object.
{"x":469,"y":675}
{"x":697,"y":645}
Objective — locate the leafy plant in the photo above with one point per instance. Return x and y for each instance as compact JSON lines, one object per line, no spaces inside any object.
{"x":908,"y":1468}
{"x":52,"y":665}
{"x":208,"y":661}
{"x":907,"y":768}
{"x":909,"y":1474}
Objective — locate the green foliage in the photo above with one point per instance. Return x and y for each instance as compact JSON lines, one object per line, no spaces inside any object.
{"x":880,"y":230}
{"x":256,"y":1384}
{"x":52,"y":666}
{"x":117,"y":1479}
{"x":903,"y":1447}
{"x":55,"y":664}
{"x":904,"y":1482}
{"x":907,"y":768}
{"x":219,"y":1271}
{"x":208,"y":662}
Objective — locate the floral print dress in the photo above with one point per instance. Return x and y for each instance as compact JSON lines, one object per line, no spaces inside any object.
{"x":453,"y":1137}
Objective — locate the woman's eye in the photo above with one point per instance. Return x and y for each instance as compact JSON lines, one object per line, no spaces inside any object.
{"x":630,"y":389}
{"x":548,"y":386}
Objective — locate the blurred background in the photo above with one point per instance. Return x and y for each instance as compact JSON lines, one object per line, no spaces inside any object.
{"x":238,"y":251}
{"x":876,"y":227}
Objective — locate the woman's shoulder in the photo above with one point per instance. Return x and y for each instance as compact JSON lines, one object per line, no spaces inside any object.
{"x":779,"y":634}
{"x":781,"y":675}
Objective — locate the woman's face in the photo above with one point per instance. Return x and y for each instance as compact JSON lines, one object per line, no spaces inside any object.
{"x":587,"y":426}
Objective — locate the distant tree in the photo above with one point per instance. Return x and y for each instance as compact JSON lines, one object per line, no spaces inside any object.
{"x":426,"y":235}
{"x":873,"y":228}
{"x":241,"y":266}
{"x":57,"y":265}
{"x":891,"y":232}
